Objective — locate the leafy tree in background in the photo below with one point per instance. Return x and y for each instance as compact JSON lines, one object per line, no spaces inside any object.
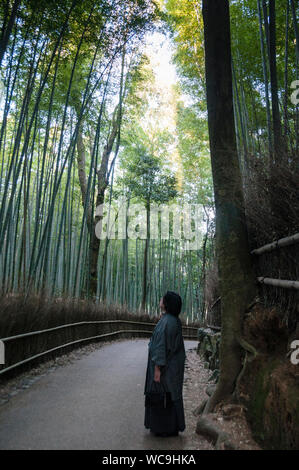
{"x":147,"y":181}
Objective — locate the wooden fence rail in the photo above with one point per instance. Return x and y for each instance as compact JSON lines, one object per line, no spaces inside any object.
{"x":283,"y":242}
{"x":287,"y":241}
{"x":188,"y":333}
{"x":279,"y":283}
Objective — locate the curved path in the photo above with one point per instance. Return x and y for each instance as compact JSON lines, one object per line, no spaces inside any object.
{"x":97,"y":402}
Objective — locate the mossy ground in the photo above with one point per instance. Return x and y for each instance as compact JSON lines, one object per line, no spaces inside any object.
{"x":270,"y":386}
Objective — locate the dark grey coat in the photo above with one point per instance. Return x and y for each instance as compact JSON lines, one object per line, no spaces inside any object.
{"x":166,"y":348}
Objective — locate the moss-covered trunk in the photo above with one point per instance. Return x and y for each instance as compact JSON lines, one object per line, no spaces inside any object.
{"x":237,"y":284}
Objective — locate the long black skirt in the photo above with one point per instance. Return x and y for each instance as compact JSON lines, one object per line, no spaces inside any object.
{"x":168,"y":420}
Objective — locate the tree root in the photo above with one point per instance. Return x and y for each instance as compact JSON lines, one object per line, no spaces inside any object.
{"x":207,"y":408}
{"x":248,"y":358}
{"x":210,"y":389}
{"x":212,"y":401}
{"x":250,"y":354}
{"x":211,"y":431}
{"x":255,"y":301}
{"x":199,"y":409}
{"x":248,"y":347}
{"x":214,"y":376}
{"x":233,"y":411}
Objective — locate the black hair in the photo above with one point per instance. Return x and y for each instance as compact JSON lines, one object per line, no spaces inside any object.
{"x":172,"y":303}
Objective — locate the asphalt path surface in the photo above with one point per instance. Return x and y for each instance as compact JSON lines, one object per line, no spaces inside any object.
{"x":96,"y":402}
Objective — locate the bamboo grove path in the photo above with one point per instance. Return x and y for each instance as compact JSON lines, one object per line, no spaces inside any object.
{"x":96,"y":402}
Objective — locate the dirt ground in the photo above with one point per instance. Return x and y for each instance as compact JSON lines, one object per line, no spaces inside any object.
{"x":196,"y":381}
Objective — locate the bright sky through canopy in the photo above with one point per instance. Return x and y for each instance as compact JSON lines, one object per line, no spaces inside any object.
{"x":158,"y":48}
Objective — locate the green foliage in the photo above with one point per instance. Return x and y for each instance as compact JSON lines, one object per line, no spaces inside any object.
{"x":186,"y":24}
{"x":143,"y":173}
{"x":193,"y":147}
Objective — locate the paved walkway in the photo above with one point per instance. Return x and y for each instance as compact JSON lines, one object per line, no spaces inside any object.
{"x":97,"y":402}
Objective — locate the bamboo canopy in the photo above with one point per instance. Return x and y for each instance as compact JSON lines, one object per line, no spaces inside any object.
{"x":277,"y":244}
{"x":279,"y":283}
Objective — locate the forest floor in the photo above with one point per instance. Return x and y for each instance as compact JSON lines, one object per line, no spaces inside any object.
{"x":195,"y":383}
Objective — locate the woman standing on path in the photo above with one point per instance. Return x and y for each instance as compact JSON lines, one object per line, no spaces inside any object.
{"x":165,"y":371}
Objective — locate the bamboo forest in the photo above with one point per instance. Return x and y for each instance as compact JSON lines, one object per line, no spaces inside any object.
{"x":152,"y":146}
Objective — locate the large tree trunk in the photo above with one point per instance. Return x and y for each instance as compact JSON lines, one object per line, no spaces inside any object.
{"x":81,"y":161}
{"x":102,"y":183}
{"x":102,"y":176}
{"x":237,"y":282}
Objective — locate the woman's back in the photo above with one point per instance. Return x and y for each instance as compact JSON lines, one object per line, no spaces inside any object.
{"x":166,"y":361}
